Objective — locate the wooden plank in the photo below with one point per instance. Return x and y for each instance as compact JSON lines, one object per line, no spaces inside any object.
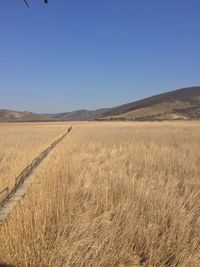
{"x":24,"y":180}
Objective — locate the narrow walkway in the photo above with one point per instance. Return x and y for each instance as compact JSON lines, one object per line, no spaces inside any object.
{"x":24,"y":180}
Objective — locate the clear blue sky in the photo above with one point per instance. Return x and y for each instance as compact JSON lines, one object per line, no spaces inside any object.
{"x":74,"y":54}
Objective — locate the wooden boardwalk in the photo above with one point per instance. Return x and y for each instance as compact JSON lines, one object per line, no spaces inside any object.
{"x":24,"y":180}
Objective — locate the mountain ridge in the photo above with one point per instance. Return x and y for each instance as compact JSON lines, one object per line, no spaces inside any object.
{"x":172,"y":105}
{"x":179,"y":101}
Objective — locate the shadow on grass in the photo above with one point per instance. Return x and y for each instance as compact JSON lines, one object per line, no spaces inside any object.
{"x":6,"y":265}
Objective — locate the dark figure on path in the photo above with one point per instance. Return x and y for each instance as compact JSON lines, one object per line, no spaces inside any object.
{"x":69,"y":129}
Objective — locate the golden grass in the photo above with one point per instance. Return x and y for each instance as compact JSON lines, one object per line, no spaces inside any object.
{"x":20,"y":143}
{"x":112,"y":194}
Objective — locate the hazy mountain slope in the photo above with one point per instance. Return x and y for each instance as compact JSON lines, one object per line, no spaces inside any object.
{"x":10,"y":115}
{"x":180,"y":104}
{"x":79,"y":115}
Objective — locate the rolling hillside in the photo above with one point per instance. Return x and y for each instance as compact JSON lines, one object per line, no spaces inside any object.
{"x":79,"y":115}
{"x":10,"y":115}
{"x":179,"y":104}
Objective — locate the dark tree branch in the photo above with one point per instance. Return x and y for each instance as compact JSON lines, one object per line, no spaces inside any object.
{"x":45,"y":1}
{"x":26,"y":3}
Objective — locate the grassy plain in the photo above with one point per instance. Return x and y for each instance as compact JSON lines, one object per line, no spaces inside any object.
{"x":112,"y":194}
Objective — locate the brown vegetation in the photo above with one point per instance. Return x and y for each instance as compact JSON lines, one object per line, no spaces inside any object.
{"x":112,"y":194}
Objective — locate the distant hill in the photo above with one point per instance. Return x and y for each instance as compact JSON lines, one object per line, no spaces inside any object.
{"x":10,"y":115}
{"x":79,"y":115}
{"x":181,"y":104}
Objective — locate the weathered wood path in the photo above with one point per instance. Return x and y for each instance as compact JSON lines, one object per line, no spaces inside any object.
{"x":24,"y":180}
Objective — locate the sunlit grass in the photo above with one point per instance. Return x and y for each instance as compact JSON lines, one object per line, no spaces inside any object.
{"x":112,"y":194}
{"x":20,"y":144}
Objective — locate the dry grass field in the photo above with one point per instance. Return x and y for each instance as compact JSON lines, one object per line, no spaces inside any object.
{"x":110,"y":195}
{"x":20,"y":143}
